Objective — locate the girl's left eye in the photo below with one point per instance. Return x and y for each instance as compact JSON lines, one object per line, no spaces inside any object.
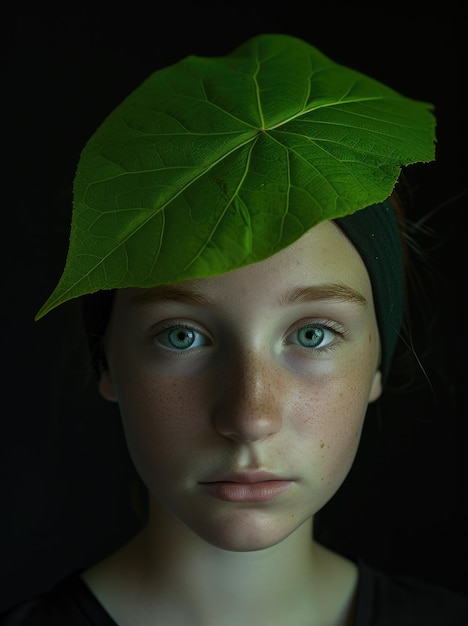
{"x":181,"y":338}
{"x":313,"y":336}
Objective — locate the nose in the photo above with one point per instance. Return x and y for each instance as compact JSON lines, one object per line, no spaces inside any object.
{"x":250,"y":398}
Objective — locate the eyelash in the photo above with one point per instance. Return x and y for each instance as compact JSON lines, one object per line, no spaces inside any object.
{"x":166,"y":326}
{"x":326,"y":325}
{"x":317,"y":325}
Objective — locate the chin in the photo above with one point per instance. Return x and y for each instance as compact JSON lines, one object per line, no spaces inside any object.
{"x":246,"y":531}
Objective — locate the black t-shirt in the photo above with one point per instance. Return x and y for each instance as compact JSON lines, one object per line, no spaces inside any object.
{"x":383,"y":600}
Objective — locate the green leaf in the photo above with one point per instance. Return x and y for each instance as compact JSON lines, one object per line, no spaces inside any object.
{"x":215,"y":163}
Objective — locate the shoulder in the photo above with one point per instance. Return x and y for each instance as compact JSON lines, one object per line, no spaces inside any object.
{"x":69,"y":602}
{"x":387,"y":599}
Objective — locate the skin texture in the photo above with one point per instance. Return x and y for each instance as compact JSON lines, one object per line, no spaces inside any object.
{"x":252,"y":391}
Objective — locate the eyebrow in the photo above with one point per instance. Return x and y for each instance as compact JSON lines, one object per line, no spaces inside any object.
{"x":331,"y":292}
{"x":171,"y":293}
{"x":334,"y":292}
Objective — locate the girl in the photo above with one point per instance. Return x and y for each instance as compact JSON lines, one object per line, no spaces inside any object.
{"x":243,"y":292}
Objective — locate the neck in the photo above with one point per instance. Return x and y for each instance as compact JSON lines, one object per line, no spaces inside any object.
{"x":191,"y":563}
{"x":166,"y":565}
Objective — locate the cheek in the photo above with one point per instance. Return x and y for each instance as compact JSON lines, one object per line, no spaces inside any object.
{"x":341,"y":435}
{"x":160,"y":417}
{"x":330,"y":426}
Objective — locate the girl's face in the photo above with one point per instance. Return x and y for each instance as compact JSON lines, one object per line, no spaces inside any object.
{"x":243,"y":395}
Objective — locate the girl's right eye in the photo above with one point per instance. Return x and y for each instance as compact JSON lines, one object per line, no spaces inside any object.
{"x":181,"y":338}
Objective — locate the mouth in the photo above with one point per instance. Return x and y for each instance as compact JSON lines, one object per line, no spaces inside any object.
{"x":257,"y":486}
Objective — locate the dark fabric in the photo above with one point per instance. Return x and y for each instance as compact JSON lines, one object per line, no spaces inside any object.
{"x":382,"y":601}
{"x":401,"y":601}
{"x":374,"y":233}
{"x":69,"y":603}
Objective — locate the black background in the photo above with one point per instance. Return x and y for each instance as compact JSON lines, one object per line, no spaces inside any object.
{"x":65,"y":472}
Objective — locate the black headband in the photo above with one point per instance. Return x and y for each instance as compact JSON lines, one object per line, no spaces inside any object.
{"x":374,"y":233}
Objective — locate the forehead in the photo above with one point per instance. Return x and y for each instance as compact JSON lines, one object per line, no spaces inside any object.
{"x":322,"y":256}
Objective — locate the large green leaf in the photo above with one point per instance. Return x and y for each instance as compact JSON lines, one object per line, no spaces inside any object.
{"x":215,"y":163}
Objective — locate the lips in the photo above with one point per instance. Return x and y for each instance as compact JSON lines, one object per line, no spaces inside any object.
{"x":256,"y":486}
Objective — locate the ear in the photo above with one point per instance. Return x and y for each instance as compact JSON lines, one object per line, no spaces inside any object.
{"x":376,"y":387}
{"x":106,"y":387}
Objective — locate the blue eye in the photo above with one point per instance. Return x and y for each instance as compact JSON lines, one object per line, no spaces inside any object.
{"x":181,"y":338}
{"x":313,"y":336}
{"x":310,"y":336}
